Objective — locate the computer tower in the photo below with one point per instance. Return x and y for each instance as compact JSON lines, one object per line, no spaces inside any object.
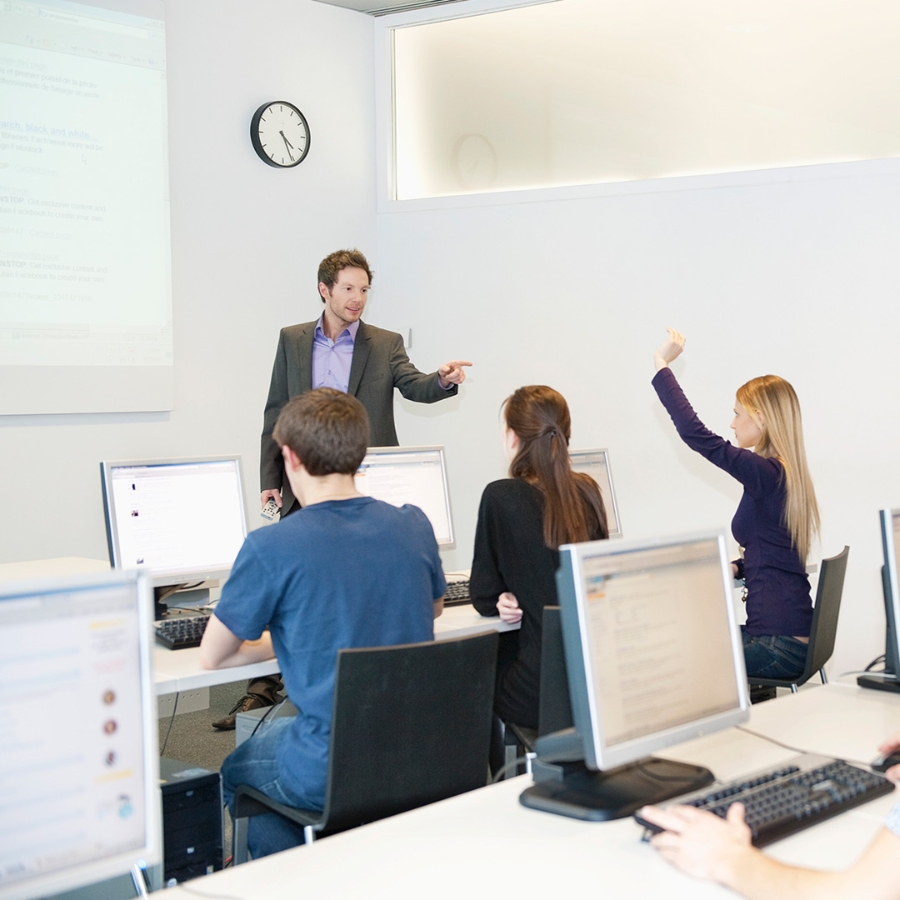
{"x":192,"y":820}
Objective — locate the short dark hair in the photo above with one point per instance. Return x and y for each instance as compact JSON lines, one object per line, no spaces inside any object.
{"x":336,"y":262}
{"x":327,"y":429}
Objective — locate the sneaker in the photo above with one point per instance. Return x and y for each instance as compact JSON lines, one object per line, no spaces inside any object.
{"x":245,"y":704}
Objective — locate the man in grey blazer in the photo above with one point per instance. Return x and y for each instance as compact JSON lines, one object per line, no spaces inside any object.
{"x":343,"y":352}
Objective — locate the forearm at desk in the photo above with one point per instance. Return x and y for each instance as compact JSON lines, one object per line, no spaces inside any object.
{"x":485,"y":607}
{"x":222,"y":649}
{"x":873,"y":876}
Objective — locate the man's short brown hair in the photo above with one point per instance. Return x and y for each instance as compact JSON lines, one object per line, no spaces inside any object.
{"x":327,"y":429}
{"x":336,"y":262}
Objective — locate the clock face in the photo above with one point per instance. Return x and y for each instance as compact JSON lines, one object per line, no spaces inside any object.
{"x":280,"y":134}
{"x":476,"y":162}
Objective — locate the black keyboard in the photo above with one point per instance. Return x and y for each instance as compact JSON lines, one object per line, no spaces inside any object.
{"x":778,"y":802}
{"x":181,"y":632}
{"x":457,"y":593}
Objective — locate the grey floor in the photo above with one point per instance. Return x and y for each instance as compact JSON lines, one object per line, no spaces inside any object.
{"x":190,"y":737}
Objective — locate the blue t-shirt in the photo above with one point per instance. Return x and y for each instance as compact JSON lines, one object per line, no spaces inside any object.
{"x":343,"y":573}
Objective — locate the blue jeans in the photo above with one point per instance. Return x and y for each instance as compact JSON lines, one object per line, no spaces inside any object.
{"x":773,"y":656}
{"x":254,"y":763}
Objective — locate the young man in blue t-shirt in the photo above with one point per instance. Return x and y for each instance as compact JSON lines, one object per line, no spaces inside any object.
{"x":344,"y":571}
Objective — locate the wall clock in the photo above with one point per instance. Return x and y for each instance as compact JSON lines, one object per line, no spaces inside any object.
{"x":279,"y":133}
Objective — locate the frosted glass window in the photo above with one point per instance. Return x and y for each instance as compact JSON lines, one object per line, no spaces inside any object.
{"x":588,"y":91}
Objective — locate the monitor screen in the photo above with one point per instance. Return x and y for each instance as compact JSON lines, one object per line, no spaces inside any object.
{"x":416,"y":475}
{"x":79,"y":755}
{"x":654,"y":657}
{"x":889,"y":679}
{"x":653,"y":649}
{"x":181,"y":520}
{"x":596,"y":464}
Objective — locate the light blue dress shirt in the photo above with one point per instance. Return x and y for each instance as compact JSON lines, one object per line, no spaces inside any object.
{"x":331,"y":360}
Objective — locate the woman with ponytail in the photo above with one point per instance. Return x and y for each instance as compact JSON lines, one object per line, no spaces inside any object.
{"x":522,"y":521}
{"x":777,"y":516}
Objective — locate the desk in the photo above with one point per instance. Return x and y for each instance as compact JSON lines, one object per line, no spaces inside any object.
{"x":486,"y":844}
{"x":179,"y":670}
{"x":52,"y":568}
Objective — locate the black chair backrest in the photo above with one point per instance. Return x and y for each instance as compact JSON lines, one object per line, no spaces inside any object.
{"x":555,"y":709}
{"x":825,"y":613}
{"x":411,"y":725}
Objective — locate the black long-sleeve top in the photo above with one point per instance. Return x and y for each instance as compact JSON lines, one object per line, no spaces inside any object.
{"x":510,"y":555}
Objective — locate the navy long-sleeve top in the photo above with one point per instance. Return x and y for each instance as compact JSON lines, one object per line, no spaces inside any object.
{"x":778,"y":599}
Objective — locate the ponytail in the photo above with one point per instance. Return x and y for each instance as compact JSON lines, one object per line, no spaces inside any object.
{"x":573,"y":505}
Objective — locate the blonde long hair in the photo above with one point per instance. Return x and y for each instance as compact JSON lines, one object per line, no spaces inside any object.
{"x":775,"y":401}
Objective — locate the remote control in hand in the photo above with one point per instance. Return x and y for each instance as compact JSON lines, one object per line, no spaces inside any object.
{"x":271,"y":511}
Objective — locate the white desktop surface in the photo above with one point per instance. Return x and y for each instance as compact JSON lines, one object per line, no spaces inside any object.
{"x":842,"y":720}
{"x":179,"y":670}
{"x":51,"y":568}
{"x":485,"y":844}
{"x":458,"y":621}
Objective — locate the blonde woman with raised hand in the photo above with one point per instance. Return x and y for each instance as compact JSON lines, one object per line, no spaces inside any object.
{"x":777,"y":516}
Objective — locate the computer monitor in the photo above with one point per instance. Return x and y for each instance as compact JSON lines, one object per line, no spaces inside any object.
{"x":181,"y":520}
{"x":596,"y":464}
{"x":416,"y":475}
{"x":889,"y":679}
{"x":79,"y":759}
{"x":654,"y":657}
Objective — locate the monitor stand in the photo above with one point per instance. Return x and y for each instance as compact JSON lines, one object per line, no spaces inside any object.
{"x":882,"y":681}
{"x":572,"y":789}
{"x":886,"y":680}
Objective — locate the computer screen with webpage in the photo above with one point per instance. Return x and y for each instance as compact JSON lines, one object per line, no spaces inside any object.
{"x":79,"y":766}
{"x":182,"y":520}
{"x":660,"y":646}
{"x":415,"y":475}
{"x":596,"y":464}
{"x":889,"y":678}
{"x":653,"y":656}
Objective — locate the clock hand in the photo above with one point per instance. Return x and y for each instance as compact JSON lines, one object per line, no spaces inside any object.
{"x":287,"y":144}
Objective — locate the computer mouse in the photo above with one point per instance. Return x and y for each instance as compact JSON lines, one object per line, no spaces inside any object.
{"x":649,"y":828}
{"x":883,"y":763}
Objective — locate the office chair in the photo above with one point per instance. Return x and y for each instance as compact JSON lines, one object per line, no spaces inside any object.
{"x":554,"y":708}
{"x":411,"y":725}
{"x":824,"y":624}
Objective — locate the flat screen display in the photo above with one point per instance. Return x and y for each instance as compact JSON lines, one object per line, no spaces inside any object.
{"x":415,"y":475}
{"x":79,"y":767}
{"x":596,"y":464}
{"x":181,"y":520}
{"x":653,"y":648}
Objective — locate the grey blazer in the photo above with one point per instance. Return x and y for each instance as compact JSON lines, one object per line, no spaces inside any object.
{"x":379,"y":365}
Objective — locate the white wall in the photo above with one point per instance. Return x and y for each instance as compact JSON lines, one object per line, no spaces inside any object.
{"x":246,"y":242}
{"x":792,"y":272}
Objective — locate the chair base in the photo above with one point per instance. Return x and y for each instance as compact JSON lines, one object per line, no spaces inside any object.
{"x":759,"y":693}
{"x":510,"y":742}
